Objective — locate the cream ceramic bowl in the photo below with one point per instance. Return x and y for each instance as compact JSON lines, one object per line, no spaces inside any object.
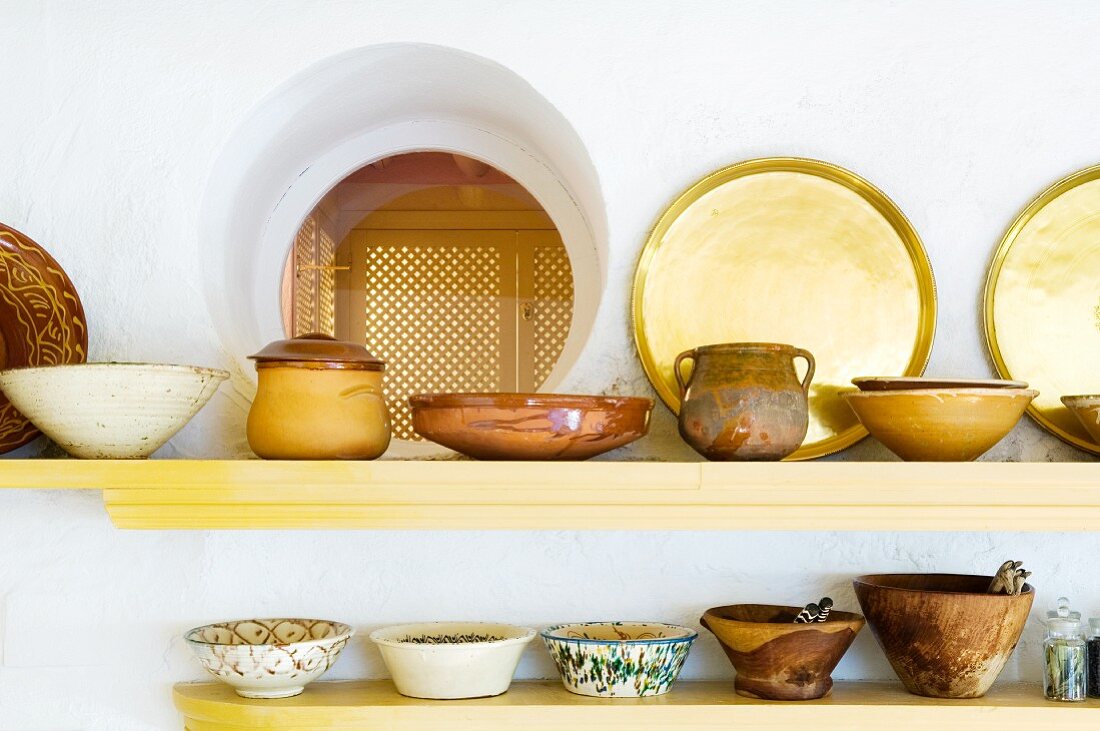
{"x":110,"y":410}
{"x":940,"y":425}
{"x":269,"y":658}
{"x":446,"y":660}
{"x":619,"y":659}
{"x":1087,"y":411}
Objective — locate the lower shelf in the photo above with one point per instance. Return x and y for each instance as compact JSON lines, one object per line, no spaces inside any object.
{"x":691,"y":705}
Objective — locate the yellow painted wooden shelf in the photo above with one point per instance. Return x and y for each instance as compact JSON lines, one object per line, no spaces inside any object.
{"x":210,"y":494}
{"x":691,"y":705}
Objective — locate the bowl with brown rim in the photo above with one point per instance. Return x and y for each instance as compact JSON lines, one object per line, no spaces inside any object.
{"x":775,"y":658}
{"x":940,"y":424}
{"x":530,"y":426}
{"x":944,"y":635}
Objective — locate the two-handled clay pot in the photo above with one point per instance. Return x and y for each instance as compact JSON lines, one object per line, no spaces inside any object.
{"x":318,"y":398}
{"x":743,"y":401}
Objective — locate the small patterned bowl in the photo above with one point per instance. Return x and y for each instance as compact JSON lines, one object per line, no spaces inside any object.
{"x":447,"y":660}
{"x":619,"y":659}
{"x":269,"y":658}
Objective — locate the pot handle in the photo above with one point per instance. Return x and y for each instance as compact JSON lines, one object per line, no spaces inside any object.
{"x":686,"y":355}
{"x":809,"y":358}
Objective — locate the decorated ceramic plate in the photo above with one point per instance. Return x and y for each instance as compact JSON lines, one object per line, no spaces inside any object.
{"x":41,"y":321}
{"x":794,"y":251}
{"x":1042,"y":302}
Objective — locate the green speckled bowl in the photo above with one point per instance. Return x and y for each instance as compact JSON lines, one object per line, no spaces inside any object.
{"x":619,"y":659}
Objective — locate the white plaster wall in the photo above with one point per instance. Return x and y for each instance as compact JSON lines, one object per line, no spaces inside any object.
{"x":113,"y":113}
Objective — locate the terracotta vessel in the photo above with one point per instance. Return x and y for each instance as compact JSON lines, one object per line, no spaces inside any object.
{"x":943,"y":634}
{"x":530,"y":426}
{"x":743,"y":401}
{"x":1087,"y":411}
{"x":940,"y":425}
{"x":318,"y":398}
{"x":776,"y":659}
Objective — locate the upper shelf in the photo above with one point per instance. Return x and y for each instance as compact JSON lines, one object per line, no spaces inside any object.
{"x":201,"y":494}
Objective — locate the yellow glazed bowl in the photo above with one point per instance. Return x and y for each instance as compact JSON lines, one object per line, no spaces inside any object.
{"x":940,"y":425}
{"x":313,"y":411}
{"x":1087,"y":411}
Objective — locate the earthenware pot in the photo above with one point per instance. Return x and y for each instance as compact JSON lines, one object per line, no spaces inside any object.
{"x":269,"y":658}
{"x":776,"y":659}
{"x":110,"y":410}
{"x":619,"y":659}
{"x":944,"y":635}
{"x":318,"y":398}
{"x":527,"y":426}
{"x":1087,"y":411}
{"x":743,"y":401}
{"x":940,"y":424}
{"x":447,"y":660}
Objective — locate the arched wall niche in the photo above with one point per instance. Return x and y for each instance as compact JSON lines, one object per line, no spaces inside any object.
{"x":364,"y":105}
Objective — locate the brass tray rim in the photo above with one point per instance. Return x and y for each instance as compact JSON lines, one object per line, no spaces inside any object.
{"x":1051,"y":193}
{"x":881,"y":202}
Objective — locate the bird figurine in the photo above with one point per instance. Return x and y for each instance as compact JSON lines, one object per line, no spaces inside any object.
{"x":1009,"y":579}
{"x":812,"y":613}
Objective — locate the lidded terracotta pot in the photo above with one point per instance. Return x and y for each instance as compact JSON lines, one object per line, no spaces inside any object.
{"x":743,"y":401}
{"x":318,"y":398}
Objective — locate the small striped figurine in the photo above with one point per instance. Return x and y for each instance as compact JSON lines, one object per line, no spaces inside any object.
{"x":815,"y":612}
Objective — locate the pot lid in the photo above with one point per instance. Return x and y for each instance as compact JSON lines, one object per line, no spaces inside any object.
{"x":320,"y":348}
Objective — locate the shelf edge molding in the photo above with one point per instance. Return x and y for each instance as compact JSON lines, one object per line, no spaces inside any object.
{"x":696,"y":705}
{"x":468,"y":495}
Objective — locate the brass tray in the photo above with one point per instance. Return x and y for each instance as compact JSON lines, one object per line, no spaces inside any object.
{"x":792,"y":251}
{"x":1042,"y":301}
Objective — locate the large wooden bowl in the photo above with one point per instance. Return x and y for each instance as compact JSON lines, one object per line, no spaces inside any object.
{"x":776,"y":659}
{"x":944,"y":636}
{"x":530,"y":426}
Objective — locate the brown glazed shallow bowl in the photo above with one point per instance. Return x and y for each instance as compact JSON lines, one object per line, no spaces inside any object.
{"x":1087,"y":411}
{"x":915,"y":383}
{"x":943,"y":634}
{"x":940,"y":424}
{"x":776,"y":659}
{"x":530,"y":426}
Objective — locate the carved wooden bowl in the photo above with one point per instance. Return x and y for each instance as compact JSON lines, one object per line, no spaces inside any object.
{"x":943,"y":634}
{"x":530,"y":426}
{"x":776,"y":659}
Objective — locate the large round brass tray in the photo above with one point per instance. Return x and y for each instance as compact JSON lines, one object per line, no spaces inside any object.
{"x":1042,"y":301}
{"x":792,"y":251}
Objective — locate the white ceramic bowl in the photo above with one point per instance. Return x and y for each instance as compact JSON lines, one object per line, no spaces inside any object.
{"x":619,"y":659}
{"x":110,"y":410}
{"x":452,"y":659}
{"x":269,"y":658}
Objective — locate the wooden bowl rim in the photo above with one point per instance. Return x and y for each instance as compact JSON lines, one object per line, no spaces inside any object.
{"x":835,"y":616}
{"x":869,"y":580}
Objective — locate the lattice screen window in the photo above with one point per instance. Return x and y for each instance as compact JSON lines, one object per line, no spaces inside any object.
{"x":314,"y":279}
{"x":459,"y":310}
{"x":553,"y":308}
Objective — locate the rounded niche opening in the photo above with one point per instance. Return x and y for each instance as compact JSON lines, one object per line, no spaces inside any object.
{"x":403,"y":108}
{"x":443,"y":266}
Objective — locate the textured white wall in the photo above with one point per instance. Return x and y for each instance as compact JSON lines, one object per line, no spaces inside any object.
{"x":113,"y":113}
